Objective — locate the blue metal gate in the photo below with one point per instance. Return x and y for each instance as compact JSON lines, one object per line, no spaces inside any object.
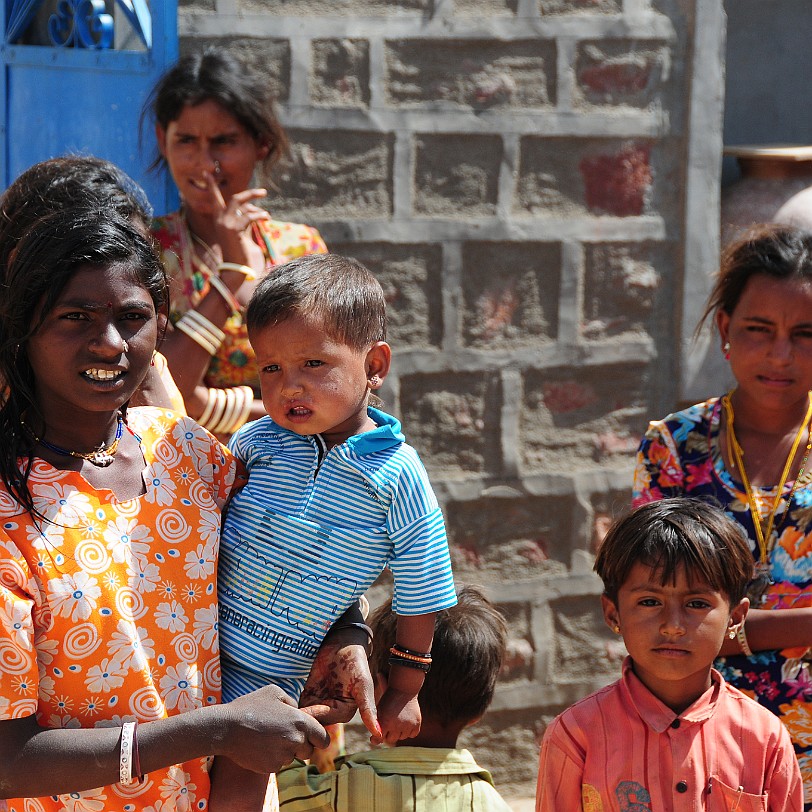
{"x":76,"y":74}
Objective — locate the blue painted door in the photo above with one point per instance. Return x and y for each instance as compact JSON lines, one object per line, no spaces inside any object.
{"x":76,"y":75}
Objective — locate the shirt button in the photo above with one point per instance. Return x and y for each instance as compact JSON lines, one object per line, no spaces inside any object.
{"x":675,"y":724}
{"x":682,"y":786}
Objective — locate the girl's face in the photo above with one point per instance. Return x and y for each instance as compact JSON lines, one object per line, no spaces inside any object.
{"x":200,"y":136}
{"x":95,"y":345}
{"x":770,"y":336}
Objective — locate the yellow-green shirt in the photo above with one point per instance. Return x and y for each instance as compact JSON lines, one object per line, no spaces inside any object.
{"x":417,"y":779}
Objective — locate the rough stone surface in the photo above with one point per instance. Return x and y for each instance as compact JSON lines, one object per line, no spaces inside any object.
{"x":527,"y":180}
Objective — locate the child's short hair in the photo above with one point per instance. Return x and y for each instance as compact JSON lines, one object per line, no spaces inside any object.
{"x":338,"y":290}
{"x":467,"y":654}
{"x":673,"y":533}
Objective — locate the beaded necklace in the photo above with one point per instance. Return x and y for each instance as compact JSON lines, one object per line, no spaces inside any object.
{"x":764,"y":529}
{"x":101,"y":457}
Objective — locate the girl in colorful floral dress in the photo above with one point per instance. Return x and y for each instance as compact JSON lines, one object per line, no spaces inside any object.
{"x":749,"y":451}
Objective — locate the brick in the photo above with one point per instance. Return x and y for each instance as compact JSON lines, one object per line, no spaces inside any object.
{"x":510,"y":293}
{"x":196,"y":5}
{"x":579,"y":626}
{"x":606,"y":509}
{"x":269,"y":57}
{"x":471,"y":73}
{"x":453,"y":421}
{"x":580,"y":6}
{"x":623,"y":288}
{"x":333,"y":8}
{"x":334,"y":175}
{"x":563,"y":177}
{"x":457,"y":175}
{"x":411,"y":277}
{"x":505,"y":536}
{"x":621,"y":72}
{"x":563,"y":411}
{"x":340,"y":73}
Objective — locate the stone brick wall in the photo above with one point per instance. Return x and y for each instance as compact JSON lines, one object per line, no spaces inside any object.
{"x":516,"y":173}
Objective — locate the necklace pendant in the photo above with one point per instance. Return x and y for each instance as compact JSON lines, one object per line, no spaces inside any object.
{"x":101,"y":458}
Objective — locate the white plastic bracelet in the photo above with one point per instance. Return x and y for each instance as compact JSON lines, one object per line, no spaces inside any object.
{"x":125,"y":763}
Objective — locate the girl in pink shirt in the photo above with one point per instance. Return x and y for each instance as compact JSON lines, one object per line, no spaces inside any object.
{"x":670,"y":734}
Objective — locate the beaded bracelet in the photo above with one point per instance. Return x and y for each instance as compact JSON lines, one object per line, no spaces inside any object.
{"x":398,"y":649}
{"x":397,"y":659}
{"x":245,"y":270}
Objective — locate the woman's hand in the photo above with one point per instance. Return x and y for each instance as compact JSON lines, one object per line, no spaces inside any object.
{"x":267,"y":731}
{"x":340,"y":682}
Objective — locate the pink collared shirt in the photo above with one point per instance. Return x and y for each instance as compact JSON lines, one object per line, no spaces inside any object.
{"x":621,"y":748}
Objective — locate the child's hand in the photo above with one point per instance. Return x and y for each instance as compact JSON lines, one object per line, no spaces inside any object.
{"x":398,"y":715}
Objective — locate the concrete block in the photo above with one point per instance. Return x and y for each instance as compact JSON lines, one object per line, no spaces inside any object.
{"x":510,"y":293}
{"x":564,"y":412}
{"x":621,"y":72}
{"x":411,"y":277}
{"x":452,"y":419}
{"x":623,"y":285}
{"x":340,"y":73}
{"x":565,"y":176}
{"x":581,"y":7}
{"x":479,"y":74}
{"x":457,"y":175}
{"x":333,"y":8}
{"x":334,"y":174}
{"x":270,"y":57}
{"x":511,"y":539}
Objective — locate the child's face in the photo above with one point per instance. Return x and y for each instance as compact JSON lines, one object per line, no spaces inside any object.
{"x":312,"y":383}
{"x":672,"y":631}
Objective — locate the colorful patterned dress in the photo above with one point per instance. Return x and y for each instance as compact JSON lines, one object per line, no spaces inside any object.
{"x":234,"y":363}
{"x":109,"y":613}
{"x":681,"y":456}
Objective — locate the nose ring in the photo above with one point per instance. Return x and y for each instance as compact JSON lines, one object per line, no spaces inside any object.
{"x":217,"y":168}
{"x":126,"y":345}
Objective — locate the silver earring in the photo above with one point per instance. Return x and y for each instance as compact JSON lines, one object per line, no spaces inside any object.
{"x":217,"y":168}
{"x":374,"y":381}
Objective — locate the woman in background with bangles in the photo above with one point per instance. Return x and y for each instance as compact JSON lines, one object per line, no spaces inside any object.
{"x":109,"y":535}
{"x":749,"y":451}
{"x":215,"y":122}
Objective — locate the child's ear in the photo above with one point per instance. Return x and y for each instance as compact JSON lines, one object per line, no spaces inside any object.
{"x":378,"y":361}
{"x":738,"y":613}
{"x":610,"y":614}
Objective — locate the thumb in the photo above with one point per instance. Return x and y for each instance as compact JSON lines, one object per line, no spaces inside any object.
{"x":316,"y":734}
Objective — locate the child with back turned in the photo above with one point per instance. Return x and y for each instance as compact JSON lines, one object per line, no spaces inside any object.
{"x":426,"y":773}
{"x":671,"y":734}
{"x":334,"y":495}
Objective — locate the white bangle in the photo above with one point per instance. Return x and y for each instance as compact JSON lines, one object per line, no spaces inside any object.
{"x":125,"y":760}
{"x":245,"y":270}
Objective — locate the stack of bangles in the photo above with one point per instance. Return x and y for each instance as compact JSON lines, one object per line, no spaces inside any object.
{"x":398,"y":655}
{"x":226,"y":409}
{"x":201,"y":331}
{"x":129,"y":761}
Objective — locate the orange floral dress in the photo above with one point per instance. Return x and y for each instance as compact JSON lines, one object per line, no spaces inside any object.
{"x":108,"y":613}
{"x":234,"y":363}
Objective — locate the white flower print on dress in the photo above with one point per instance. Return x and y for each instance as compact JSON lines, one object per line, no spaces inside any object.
{"x":177,"y":789}
{"x":74,"y":596}
{"x":160,"y":486}
{"x":209,"y":527}
{"x":105,"y":676}
{"x":171,"y":615}
{"x":180,"y":687}
{"x":131,"y":647}
{"x":205,"y":627}
{"x":200,"y":562}
{"x":90,"y":801}
{"x":15,"y":618}
{"x":143,"y":576}
{"x":126,"y":538}
{"x":62,"y":504}
{"x":51,"y":537}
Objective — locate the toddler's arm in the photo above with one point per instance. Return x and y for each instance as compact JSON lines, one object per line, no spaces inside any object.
{"x":398,"y":710}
